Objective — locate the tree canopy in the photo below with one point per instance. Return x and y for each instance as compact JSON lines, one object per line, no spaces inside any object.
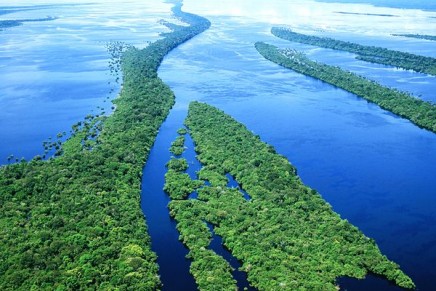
{"x":420,"y":112}
{"x":74,"y":221}
{"x":287,"y":236}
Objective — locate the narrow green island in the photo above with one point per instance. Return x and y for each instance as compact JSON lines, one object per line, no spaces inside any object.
{"x":17,"y":22}
{"x":74,"y":222}
{"x":419,"y":112}
{"x":286,"y":236}
{"x":366,"y":14}
{"x":418,"y":36}
{"x":374,"y":54}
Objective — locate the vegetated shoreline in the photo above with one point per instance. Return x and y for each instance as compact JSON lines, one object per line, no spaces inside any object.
{"x":373,"y":54}
{"x":419,"y":112}
{"x":210,"y":270}
{"x":418,"y":36}
{"x":74,"y":221}
{"x":286,"y":236}
{"x":218,"y":273}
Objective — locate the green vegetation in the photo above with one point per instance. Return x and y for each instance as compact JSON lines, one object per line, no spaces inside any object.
{"x":210,"y":270}
{"x":418,"y":36}
{"x":372,"y":54}
{"x":177,"y":147}
{"x":416,"y":110}
{"x":74,"y":222}
{"x":9,"y":23}
{"x":286,"y":236}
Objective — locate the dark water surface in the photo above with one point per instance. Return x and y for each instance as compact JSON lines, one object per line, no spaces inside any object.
{"x":375,"y":169}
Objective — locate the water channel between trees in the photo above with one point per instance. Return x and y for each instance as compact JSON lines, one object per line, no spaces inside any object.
{"x":377,"y":170}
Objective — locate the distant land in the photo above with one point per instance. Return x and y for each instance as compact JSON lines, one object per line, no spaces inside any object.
{"x":418,"y":36}
{"x":367,"y":14}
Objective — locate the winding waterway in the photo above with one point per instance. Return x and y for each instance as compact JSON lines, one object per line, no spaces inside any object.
{"x":375,"y":169}
{"x":173,"y":266}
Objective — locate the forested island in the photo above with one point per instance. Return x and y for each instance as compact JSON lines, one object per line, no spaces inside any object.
{"x":420,"y":112}
{"x":74,"y":222}
{"x":408,"y":61}
{"x":286,"y":235}
{"x":418,"y":36}
{"x":18,"y":22}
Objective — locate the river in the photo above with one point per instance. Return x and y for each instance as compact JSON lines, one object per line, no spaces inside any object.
{"x":375,"y":169}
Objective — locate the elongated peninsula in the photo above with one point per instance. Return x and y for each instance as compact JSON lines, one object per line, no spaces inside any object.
{"x":418,"y":36}
{"x":408,"y":61}
{"x":286,"y":235}
{"x":420,"y":112}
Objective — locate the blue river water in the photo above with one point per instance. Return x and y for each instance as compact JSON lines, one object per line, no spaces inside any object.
{"x":375,"y":169}
{"x":54,"y":73}
{"x":216,"y":243}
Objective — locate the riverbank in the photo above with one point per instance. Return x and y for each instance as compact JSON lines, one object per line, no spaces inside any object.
{"x":74,"y":221}
{"x":284,"y":218}
{"x":419,"y":112}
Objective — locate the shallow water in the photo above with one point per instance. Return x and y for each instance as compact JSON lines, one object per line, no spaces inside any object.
{"x":216,"y":243}
{"x":403,"y":4}
{"x":54,"y":73}
{"x":173,"y":266}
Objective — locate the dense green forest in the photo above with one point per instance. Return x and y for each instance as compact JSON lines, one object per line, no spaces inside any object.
{"x":418,"y":36}
{"x":372,"y":54}
{"x":286,"y":235}
{"x":74,"y":221}
{"x":210,"y":270}
{"x":403,"y":104}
